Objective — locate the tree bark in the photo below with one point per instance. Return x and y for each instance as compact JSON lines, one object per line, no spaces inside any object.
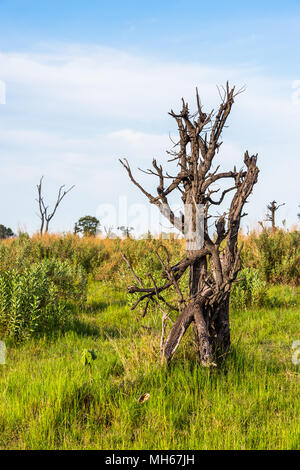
{"x":219,"y":326}
{"x":177,"y":332}
{"x":202,"y":336}
{"x":212,"y":327}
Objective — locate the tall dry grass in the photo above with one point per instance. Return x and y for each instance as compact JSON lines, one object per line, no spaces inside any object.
{"x":275,"y":256}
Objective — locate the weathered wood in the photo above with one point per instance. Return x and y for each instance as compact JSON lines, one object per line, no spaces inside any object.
{"x":45,"y":216}
{"x":177,"y":332}
{"x":203,"y":340}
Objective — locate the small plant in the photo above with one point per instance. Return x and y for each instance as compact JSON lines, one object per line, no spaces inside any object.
{"x":88,"y":356}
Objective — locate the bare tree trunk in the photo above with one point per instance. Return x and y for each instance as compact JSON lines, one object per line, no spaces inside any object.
{"x":198,"y":271}
{"x":270,"y":217}
{"x":212,"y":328}
{"x":44,"y":215}
{"x":219,"y":325}
{"x":177,"y":332}
{"x":203,"y":338}
{"x":42,"y":226}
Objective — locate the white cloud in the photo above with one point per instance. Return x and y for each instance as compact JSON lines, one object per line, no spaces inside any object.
{"x":71,"y":112}
{"x":108,"y":81}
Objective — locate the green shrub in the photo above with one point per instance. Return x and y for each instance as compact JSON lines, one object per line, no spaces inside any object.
{"x":276,"y":255}
{"x":250,"y":291}
{"x":39,"y":298}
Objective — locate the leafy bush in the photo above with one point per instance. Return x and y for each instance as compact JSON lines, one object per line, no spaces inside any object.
{"x":276,"y":255}
{"x":39,"y":298}
{"x":250,"y":291}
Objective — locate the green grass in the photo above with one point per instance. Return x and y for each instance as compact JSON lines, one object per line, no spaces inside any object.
{"x":50,"y":400}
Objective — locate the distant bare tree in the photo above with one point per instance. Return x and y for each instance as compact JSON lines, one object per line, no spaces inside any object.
{"x":126,"y":231}
{"x":213,"y":267}
{"x":270,"y":216}
{"x":109,"y":233}
{"x":44,"y":215}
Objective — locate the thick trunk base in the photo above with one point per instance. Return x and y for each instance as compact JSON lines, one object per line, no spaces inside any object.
{"x":209,"y":311}
{"x":212,"y":331}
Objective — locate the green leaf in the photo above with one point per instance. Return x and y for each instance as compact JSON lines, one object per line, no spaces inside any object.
{"x":88,"y":356}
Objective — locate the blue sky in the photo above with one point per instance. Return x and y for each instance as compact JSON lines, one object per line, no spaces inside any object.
{"x":257,"y":32}
{"x":90,"y":81}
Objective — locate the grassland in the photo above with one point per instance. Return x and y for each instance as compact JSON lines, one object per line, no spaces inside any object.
{"x":50,"y":400}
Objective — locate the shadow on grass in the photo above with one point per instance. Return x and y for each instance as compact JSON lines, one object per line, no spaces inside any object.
{"x":237,"y":360}
{"x":95,"y":306}
{"x":81,"y":328}
{"x":241,"y":361}
{"x":103,"y":331}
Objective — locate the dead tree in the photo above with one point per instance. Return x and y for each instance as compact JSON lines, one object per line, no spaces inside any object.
{"x":270,"y":216}
{"x":44,"y":215}
{"x":213,"y":268}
